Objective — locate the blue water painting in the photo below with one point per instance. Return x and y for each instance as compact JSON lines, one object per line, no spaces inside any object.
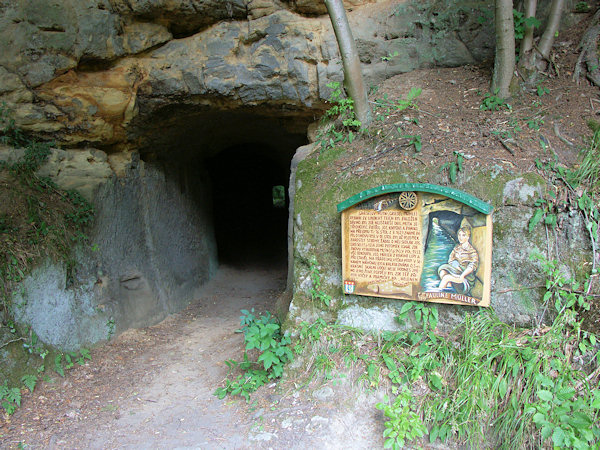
{"x":439,"y":247}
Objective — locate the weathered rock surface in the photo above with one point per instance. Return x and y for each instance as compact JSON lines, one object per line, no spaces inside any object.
{"x":105,"y":72}
{"x":151,"y":247}
{"x":179,"y":81}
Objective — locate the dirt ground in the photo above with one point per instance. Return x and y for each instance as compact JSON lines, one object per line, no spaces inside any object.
{"x":152,"y":388}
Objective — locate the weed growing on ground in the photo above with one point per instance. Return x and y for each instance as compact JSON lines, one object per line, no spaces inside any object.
{"x":385,"y":107}
{"x":403,"y":423}
{"x":339,"y":121}
{"x":316,"y":291}
{"x":491,"y":102}
{"x":262,"y":337}
{"x":484,"y":381}
{"x":10,"y":398}
{"x":414,"y":140}
{"x":454,"y":167}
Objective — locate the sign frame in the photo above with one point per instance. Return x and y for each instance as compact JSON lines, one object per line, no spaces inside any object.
{"x":408,"y":280}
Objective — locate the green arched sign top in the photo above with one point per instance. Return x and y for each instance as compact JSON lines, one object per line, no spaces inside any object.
{"x":454,"y":194}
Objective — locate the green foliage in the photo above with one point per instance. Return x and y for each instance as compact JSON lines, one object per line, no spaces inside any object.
{"x":389,"y":56}
{"x":588,"y":172}
{"x":342,"y":111}
{"x":582,"y":7}
{"x":10,"y":398}
{"x":426,"y":316}
{"x":454,"y":167}
{"x":577,"y":191}
{"x":413,"y":140}
{"x":545,"y":209}
{"x":541,"y":90}
{"x":39,"y":220}
{"x":263,"y":336}
{"x":65,"y":361}
{"x":491,"y":102}
{"x":520,"y":23}
{"x":316,"y":291}
{"x":29,"y":381}
{"x":563,"y":416}
{"x":534,"y":123}
{"x":385,"y":106}
{"x":110,"y":328}
{"x":529,"y":388}
{"x":404,"y":425}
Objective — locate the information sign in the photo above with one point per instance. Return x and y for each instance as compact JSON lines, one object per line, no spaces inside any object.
{"x":417,"y":242}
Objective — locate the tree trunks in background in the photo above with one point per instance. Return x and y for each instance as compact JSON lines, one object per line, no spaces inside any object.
{"x":504,"y":64}
{"x":353,"y":80}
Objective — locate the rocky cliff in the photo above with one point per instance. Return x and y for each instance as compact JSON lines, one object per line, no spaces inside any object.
{"x":148,"y":97}
{"x":109,"y":73}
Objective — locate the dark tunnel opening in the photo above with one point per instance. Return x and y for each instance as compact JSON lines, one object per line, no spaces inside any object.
{"x":250,"y":204}
{"x":227,"y":163}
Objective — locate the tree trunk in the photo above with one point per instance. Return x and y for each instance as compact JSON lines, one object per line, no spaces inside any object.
{"x":352,"y":71}
{"x":547,"y":39}
{"x":527,"y":42}
{"x":589,"y":52}
{"x":504,"y":64}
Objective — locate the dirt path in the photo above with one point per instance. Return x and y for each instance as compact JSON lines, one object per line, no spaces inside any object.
{"x":152,"y":388}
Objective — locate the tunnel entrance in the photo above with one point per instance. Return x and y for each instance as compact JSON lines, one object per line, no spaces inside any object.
{"x":232,"y":167}
{"x":250,"y":204}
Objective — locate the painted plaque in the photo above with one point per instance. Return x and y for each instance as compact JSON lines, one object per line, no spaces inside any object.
{"x":415,"y":241}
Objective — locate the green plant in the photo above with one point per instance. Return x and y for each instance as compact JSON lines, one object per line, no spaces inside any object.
{"x":534,"y":123}
{"x":65,"y":361}
{"x":520,"y":22}
{"x":386,"y":106}
{"x":29,"y":381}
{"x":342,"y":109}
{"x":426,"y":316}
{"x":541,"y":90}
{"x":110,"y":328}
{"x":588,"y":172}
{"x":491,"y":102}
{"x":54,"y":218}
{"x":413,"y":140}
{"x":389,"y":56}
{"x":316,"y":291}
{"x":454,"y":167}
{"x":10,"y":398}
{"x":545,"y":209}
{"x":404,"y":425}
{"x":582,"y":7}
{"x":263,"y":336}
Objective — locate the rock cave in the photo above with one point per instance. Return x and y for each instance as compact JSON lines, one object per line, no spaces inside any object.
{"x":243,"y":156}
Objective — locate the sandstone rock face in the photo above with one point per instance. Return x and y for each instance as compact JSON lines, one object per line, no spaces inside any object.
{"x":177,"y":82}
{"x":182,"y":17}
{"x":104,"y":72}
{"x":151,"y":248}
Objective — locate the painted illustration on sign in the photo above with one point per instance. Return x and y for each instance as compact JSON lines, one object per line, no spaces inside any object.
{"x":418,"y":246}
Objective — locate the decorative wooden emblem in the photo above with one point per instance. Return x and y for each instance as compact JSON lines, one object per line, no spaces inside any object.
{"x":416,"y":241}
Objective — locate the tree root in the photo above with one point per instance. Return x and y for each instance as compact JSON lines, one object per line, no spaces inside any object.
{"x":589,"y":53}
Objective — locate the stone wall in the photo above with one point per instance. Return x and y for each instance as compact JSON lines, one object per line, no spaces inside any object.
{"x":151,"y":248}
